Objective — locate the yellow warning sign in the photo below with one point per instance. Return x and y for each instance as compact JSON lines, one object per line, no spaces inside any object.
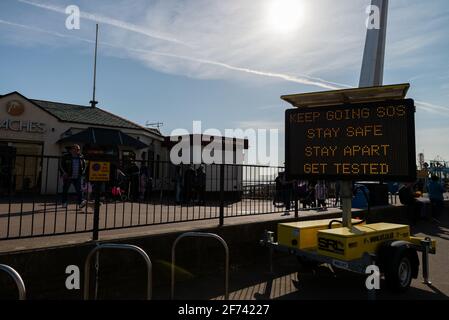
{"x":99,"y":171}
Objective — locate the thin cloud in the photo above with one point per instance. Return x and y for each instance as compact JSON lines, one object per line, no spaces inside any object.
{"x":440,"y":110}
{"x":432,"y":106}
{"x":110,"y":21}
{"x":302,"y":80}
{"x":260,"y":124}
{"x":52,"y":33}
{"x":306,"y":80}
{"x":421,"y":107}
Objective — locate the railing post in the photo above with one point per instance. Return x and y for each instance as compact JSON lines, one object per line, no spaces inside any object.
{"x":17,"y":279}
{"x":296,"y":207}
{"x":96,"y":251}
{"x":426,"y":243}
{"x":201,"y":235}
{"x":221,"y":222}
{"x":96,"y":221}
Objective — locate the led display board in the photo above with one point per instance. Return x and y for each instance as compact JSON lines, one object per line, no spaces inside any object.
{"x":363,"y":141}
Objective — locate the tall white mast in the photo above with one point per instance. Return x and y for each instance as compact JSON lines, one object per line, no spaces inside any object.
{"x":373,"y":57}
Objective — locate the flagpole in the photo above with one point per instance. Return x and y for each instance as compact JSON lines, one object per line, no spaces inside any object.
{"x":93,"y":103}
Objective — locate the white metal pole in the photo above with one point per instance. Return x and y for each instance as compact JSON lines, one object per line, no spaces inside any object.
{"x":93,"y":102}
{"x":370,"y":75}
{"x":374,"y":53}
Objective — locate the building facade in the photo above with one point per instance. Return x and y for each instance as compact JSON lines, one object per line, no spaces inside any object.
{"x":34,"y":133}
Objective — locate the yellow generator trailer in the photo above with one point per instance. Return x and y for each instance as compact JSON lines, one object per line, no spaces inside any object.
{"x":386,"y":245}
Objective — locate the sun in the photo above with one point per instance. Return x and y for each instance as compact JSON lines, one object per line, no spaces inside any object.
{"x":285,"y":16}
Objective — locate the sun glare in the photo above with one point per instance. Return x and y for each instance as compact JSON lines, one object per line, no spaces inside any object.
{"x":285,"y":16}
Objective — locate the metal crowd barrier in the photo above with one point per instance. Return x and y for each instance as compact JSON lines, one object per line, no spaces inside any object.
{"x":123,"y":247}
{"x":17,"y":279}
{"x":200,"y":235}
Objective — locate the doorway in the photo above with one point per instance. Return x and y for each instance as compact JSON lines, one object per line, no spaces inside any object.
{"x":21,"y":167}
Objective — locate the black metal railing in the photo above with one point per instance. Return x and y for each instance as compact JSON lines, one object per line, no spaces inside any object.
{"x":139,"y":193}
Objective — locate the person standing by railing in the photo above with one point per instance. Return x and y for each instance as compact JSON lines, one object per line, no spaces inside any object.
{"x":134,"y":175}
{"x":284,"y":190}
{"x":436,"y":191}
{"x":337,"y":193}
{"x":178,"y":183}
{"x":200,"y":185}
{"x":189,"y":184}
{"x":72,"y":168}
{"x":407,"y":196}
{"x":320,"y":194}
{"x":146,"y":182}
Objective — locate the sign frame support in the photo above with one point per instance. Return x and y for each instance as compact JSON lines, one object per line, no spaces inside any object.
{"x":371,"y":75}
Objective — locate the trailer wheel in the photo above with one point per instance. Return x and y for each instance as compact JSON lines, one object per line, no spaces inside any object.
{"x":399,"y":268}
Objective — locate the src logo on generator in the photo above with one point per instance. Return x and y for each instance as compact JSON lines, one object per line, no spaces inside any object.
{"x":331,"y":245}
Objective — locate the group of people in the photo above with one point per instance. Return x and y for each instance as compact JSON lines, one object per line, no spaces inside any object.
{"x":409,"y":192}
{"x":130,"y":182}
{"x":190,"y":184}
{"x":136,"y":182}
{"x":310,"y":194}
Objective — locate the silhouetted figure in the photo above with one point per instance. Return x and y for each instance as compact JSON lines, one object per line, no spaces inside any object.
{"x":200,"y":184}
{"x":320,"y":194}
{"x":178,"y":184}
{"x":189,"y":181}
{"x":133,"y":173}
{"x":413,"y":206}
{"x":146,"y":183}
{"x":436,"y":191}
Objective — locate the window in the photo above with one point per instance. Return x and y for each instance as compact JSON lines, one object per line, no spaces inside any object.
{"x":21,"y":166}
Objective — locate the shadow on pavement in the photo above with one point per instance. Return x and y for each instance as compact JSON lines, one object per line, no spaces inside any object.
{"x":255,"y":282}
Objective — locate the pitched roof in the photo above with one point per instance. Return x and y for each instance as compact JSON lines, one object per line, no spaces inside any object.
{"x":88,"y":115}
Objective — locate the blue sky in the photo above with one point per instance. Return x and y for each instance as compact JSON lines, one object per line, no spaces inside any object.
{"x":222,"y":62}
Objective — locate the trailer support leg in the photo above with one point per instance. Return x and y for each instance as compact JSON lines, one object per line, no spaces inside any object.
{"x":346,"y":200}
{"x":426,"y":243}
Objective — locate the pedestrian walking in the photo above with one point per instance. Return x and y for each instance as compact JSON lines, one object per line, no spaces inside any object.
{"x":72,"y":168}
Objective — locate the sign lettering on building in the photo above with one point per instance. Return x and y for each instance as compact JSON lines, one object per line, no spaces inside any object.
{"x":16,"y":108}
{"x":22,"y":126}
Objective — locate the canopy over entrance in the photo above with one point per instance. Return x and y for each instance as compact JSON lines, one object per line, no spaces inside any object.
{"x":356,"y":95}
{"x":100,"y":136}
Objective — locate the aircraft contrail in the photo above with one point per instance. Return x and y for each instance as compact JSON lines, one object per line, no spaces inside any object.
{"x":432,"y":106}
{"x":109,"y":21}
{"x":57,"y":34}
{"x":302,"y":80}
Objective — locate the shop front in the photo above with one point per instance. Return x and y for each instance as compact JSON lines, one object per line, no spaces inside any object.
{"x":35,"y":133}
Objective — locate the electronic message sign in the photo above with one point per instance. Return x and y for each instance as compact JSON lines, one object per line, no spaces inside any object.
{"x":363,"y":141}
